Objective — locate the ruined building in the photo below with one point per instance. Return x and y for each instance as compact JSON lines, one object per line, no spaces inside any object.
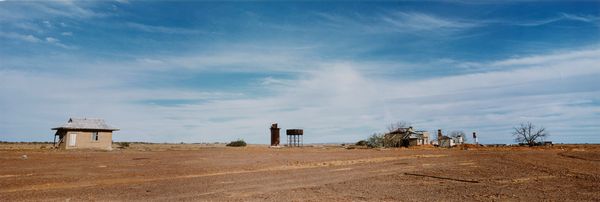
{"x":445,"y":141}
{"x":404,"y":137}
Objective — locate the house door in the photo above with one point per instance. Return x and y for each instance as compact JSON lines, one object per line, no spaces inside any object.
{"x":72,"y":139}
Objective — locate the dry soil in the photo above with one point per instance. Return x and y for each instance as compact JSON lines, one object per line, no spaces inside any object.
{"x":259,"y":173}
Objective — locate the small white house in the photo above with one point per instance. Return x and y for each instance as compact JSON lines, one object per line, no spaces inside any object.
{"x":445,"y":141}
{"x":84,"y":133}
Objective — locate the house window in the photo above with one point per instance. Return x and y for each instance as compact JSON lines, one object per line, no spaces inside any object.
{"x":94,"y":136}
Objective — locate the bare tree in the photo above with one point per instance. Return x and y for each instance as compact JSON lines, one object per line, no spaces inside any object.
{"x":459,"y":133}
{"x":528,"y":134}
{"x":398,"y":125}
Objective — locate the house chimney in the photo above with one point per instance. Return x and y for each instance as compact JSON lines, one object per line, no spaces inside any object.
{"x":439,"y":137}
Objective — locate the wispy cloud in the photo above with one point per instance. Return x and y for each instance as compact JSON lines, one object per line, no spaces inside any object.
{"x":341,"y":75}
{"x":237,"y":58}
{"x":559,"y":17}
{"x":56,"y":42}
{"x":33,"y":39}
{"x":348,"y":102}
{"x":51,"y":40}
{"x":549,"y":59}
{"x":41,"y":18}
{"x":582,"y":18}
{"x":19,"y":10}
{"x":162,"y":29}
{"x":270,"y":81}
{"x":23,"y":37}
{"x":47,"y":24}
{"x":27,"y":26}
{"x":411,"y":21}
{"x":397,"y":21}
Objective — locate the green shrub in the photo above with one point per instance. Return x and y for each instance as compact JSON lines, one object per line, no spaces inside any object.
{"x":237,"y":143}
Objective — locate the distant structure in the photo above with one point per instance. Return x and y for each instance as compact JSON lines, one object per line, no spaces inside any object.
{"x":419,"y":137}
{"x":404,"y":137}
{"x":274,"y":135}
{"x":84,"y":133}
{"x":445,"y":141}
{"x":294,"y":137}
{"x":475,"y":138}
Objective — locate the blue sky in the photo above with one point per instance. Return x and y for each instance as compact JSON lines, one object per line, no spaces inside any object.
{"x":206,"y":72}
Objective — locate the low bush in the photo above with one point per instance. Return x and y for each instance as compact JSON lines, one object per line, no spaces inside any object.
{"x":237,"y":143}
{"x":375,"y":141}
{"x":123,"y":144}
{"x":362,"y":143}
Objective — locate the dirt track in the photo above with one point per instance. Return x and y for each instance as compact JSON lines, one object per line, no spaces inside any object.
{"x":314,"y":174}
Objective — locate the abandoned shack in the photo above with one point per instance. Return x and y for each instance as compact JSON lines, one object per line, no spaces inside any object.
{"x":84,"y":133}
{"x":404,"y":137}
{"x":419,"y":138}
{"x":445,"y":141}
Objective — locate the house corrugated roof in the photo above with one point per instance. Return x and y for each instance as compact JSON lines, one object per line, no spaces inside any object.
{"x":86,"y":123}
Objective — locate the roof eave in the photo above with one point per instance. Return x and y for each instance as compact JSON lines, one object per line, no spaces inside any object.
{"x":109,"y":129}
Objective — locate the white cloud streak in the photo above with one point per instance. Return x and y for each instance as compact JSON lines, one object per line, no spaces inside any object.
{"x":22,"y":37}
{"x":33,"y":39}
{"x":419,"y":21}
{"x":20,"y":10}
{"x":334,"y":102}
{"x":162,"y":29}
{"x":397,"y":21}
{"x":560,"y":17}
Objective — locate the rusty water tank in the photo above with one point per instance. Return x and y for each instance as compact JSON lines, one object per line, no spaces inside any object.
{"x":295,"y":137}
{"x":294,"y":132}
{"x":274,"y":135}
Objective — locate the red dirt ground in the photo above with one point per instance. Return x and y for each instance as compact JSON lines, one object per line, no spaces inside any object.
{"x":257,"y":173}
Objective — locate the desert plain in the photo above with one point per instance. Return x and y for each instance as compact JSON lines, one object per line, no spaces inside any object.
{"x":200,"y":172}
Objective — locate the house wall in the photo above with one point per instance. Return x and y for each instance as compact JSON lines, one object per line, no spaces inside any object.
{"x":424,"y":141}
{"x":413,"y":142}
{"x":84,"y":140}
{"x":446,"y":142}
